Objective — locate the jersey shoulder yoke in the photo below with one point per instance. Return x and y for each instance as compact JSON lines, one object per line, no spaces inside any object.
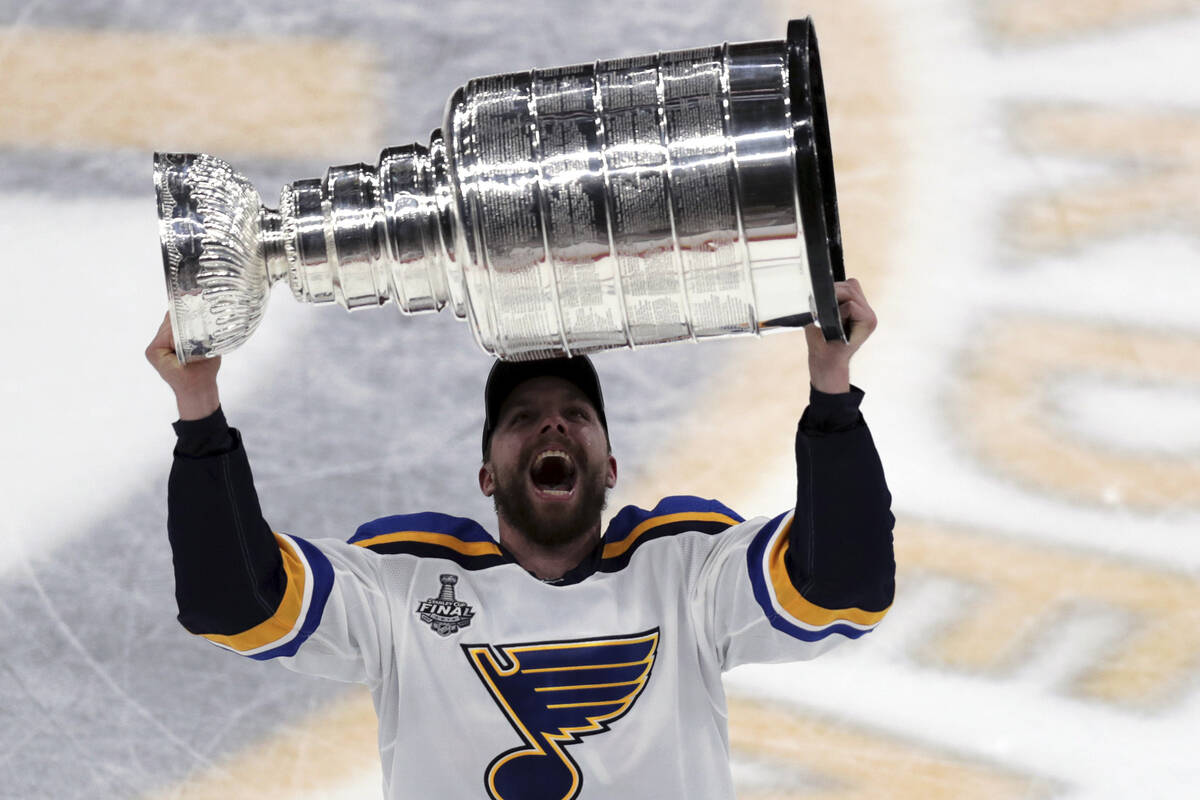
{"x":632,"y":526}
{"x":432,"y":535}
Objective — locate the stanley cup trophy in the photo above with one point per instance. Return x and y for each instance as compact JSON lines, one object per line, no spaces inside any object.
{"x":678,"y":196}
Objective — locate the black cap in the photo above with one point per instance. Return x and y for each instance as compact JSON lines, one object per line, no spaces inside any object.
{"x":508,"y":375}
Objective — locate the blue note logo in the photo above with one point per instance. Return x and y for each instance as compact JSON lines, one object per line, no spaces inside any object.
{"x":554,"y":693}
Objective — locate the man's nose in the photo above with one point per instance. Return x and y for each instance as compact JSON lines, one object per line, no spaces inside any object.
{"x":554,"y":421}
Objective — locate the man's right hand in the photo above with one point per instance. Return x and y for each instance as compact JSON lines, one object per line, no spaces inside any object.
{"x":194,"y":384}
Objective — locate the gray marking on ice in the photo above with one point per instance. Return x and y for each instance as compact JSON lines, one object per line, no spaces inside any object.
{"x":102,"y":673}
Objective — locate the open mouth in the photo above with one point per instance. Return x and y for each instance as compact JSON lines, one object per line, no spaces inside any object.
{"x":553,"y":473}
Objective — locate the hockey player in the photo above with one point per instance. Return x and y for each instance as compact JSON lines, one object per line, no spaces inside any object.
{"x":563,"y":662}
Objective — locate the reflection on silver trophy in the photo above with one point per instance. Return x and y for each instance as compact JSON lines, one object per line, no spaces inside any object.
{"x":679,"y":196}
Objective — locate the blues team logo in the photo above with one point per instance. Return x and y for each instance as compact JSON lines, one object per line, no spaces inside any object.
{"x":554,"y":693}
{"x":445,"y":613}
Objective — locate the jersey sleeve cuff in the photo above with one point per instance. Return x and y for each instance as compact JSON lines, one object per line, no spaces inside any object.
{"x":210,"y":436}
{"x":787,"y":609}
{"x":831,"y":413}
{"x":309,"y":581}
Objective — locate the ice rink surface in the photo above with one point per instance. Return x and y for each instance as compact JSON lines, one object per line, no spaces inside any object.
{"x":1018,"y":186}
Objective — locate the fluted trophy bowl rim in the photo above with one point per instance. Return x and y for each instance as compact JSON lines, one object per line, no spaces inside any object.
{"x":214,"y":263}
{"x":161,"y":169}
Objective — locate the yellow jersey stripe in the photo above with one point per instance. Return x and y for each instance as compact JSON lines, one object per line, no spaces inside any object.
{"x":440,"y":539}
{"x":633,"y":682}
{"x":645,"y":660}
{"x":614,"y":549}
{"x":622,"y":701}
{"x":284,"y":620}
{"x":791,"y":601}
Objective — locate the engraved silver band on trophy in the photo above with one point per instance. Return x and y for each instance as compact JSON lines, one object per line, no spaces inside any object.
{"x":683,"y":195}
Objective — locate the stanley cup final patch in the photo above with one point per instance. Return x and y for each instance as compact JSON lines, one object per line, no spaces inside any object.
{"x":445,"y":613}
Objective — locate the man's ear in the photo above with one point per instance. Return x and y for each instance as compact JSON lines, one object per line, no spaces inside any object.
{"x":611,"y":479}
{"x":487,"y":484}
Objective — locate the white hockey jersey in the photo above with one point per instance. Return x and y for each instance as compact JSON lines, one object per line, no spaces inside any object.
{"x":606,"y":686}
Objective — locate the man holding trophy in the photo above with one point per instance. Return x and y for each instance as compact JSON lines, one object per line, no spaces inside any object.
{"x":561,"y":659}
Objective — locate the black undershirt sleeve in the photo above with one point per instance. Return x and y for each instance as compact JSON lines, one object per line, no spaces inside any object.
{"x":229,"y":574}
{"x":840,"y":548}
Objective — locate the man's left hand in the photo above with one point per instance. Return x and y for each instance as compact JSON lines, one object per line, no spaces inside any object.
{"x":829,"y":362}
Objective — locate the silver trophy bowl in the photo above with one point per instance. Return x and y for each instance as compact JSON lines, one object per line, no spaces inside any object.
{"x":677,"y":196}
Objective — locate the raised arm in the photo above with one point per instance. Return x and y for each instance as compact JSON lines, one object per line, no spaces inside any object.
{"x":791,"y":587}
{"x":840,"y":553}
{"x":242,"y":586}
{"x":229,"y":573}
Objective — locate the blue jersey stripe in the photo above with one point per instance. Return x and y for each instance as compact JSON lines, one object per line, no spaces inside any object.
{"x":758,"y":582}
{"x":322,"y":572}
{"x":461,"y":528}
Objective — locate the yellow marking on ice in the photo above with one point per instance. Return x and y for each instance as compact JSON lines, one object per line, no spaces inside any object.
{"x":1029,"y":589}
{"x":850,"y":763}
{"x":284,"y":97}
{"x":307,"y":757}
{"x":1155,"y":157}
{"x":1021,"y":19}
{"x":1001,"y":408}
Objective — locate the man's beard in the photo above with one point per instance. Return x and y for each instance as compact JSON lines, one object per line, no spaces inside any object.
{"x":515,"y":505}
